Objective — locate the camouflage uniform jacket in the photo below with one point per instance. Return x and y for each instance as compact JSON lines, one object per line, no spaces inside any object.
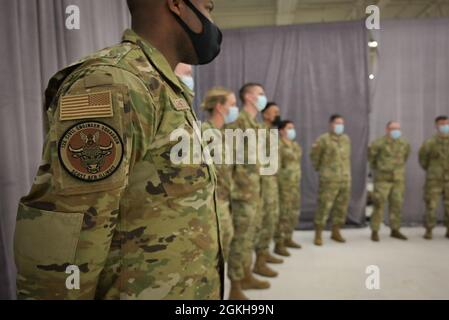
{"x":107,"y":198}
{"x":434,"y":158}
{"x":387,"y":158}
{"x":331,"y":157}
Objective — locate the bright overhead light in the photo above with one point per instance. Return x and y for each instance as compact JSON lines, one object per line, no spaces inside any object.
{"x":373,"y":44}
{"x":372,"y":77}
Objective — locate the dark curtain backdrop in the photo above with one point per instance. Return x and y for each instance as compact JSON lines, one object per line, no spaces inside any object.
{"x":412,"y":86}
{"x":34,"y":45}
{"x":311,"y":71}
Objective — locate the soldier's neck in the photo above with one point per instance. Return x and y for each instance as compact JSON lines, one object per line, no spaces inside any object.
{"x":250,"y":110}
{"x":217,"y":120}
{"x":165,"y":45}
{"x":286,"y":140}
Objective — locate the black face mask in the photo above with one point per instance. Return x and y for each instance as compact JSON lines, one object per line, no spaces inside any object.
{"x":277,"y":121}
{"x":207,"y":44}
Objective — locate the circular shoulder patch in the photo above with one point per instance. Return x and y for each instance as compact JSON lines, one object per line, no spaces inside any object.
{"x":91,"y":151}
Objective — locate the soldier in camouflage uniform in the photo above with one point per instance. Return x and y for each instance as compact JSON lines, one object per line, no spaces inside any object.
{"x":107,"y":200}
{"x":387,"y":157}
{"x":331,"y":158}
{"x":245,"y":199}
{"x":289,"y":188}
{"x":270,"y":203}
{"x":220,"y":103}
{"x":434,"y":159}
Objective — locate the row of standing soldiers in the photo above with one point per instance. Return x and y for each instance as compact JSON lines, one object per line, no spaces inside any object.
{"x":257,"y":209}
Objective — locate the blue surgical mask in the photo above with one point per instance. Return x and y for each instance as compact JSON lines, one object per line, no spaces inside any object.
{"x":189,"y":82}
{"x":339,"y":129}
{"x":261,"y":103}
{"x":232,"y":115}
{"x":395,"y":134}
{"x":291,"y":134}
{"x":444,"y":129}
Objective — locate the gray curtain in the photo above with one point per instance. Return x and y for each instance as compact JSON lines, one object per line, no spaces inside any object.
{"x":35,"y":44}
{"x":311,"y":71}
{"x":412,"y":86}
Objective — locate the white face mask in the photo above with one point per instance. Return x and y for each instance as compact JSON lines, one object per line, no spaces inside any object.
{"x":189,"y":82}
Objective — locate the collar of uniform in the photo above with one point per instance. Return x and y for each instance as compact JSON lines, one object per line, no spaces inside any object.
{"x":246,"y":115}
{"x":444,"y":138}
{"x":335,"y":136}
{"x":211,"y":124}
{"x":155,"y":56}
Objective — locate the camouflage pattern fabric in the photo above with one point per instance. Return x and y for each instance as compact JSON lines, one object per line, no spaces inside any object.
{"x":107,"y":198}
{"x":245,"y":206}
{"x":289,"y":178}
{"x":331,"y":158}
{"x":434,"y":159}
{"x":224,"y":187}
{"x":270,"y":207}
{"x":387,"y":158}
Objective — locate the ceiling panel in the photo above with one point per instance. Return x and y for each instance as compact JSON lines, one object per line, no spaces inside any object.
{"x":250,"y":13}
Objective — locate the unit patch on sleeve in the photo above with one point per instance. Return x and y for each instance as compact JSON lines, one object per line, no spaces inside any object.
{"x":86,"y":106}
{"x":90,"y":151}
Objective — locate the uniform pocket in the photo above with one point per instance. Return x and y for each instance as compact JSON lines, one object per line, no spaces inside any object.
{"x":45,"y":238}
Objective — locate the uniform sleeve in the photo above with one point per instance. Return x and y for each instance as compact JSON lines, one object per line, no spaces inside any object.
{"x":315,"y":154}
{"x":407,"y":152}
{"x":424,"y":156}
{"x":372,"y":155}
{"x":66,"y":224}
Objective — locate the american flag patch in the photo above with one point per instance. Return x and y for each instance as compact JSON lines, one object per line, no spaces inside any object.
{"x":86,"y":106}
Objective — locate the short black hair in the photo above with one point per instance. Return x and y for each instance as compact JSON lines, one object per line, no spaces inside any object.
{"x":284,"y":124}
{"x":391,"y":122}
{"x":335,"y":117}
{"x":441,"y":118}
{"x":244,"y":90}
{"x":269,"y":105}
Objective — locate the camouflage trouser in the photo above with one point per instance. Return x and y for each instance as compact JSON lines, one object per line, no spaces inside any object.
{"x":432,"y":195}
{"x":333,"y":197}
{"x":294,"y":214}
{"x":286,"y":211}
{"x":242,"y":244}
{"x":393,"y":192}
{"x":227,"y":228}
{"x":270,"y":213}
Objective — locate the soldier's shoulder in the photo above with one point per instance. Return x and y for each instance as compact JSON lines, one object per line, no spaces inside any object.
{"x":125,"y":56}
{"x":379,"y":142}
{"x":324,"y":137}
{"x":430,"y":141}
{"x":346,"y":138}
{"x":404,"y":142}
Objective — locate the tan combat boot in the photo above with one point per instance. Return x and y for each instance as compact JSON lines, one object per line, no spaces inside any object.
{"x":281,"y":250}
{"x":336,"y":235}
{"x":292,"y":244}
{"x":428,"y":235}
{"x":318,"y":236}
{"x":272,"y":259}
{"x":375,"y":236}
{"x":236,"y":292}
{"x":250,"y":282}
{"x":262,"y":269}
{"x":398,"y":235}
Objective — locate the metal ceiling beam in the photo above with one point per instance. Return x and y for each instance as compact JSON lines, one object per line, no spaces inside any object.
{"x":286,"y":11}
{"x":428,"y":8}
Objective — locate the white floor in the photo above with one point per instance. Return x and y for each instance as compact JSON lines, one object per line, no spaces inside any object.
{"x":416,"y":269}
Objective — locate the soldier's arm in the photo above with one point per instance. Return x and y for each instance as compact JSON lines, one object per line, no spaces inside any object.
{"x":407,"y":153}
{"x":423,"y":156}
{"x":66,"y":226}
{"x":315,"y":154}
{"x":372,"y":155}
